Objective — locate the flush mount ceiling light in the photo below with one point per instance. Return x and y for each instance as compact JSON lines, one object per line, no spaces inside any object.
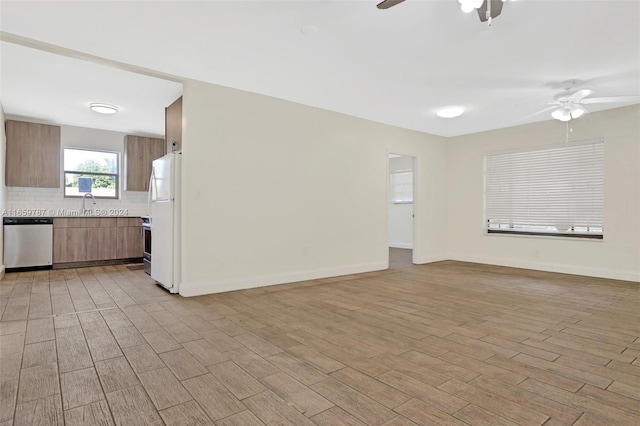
{"x":103,"y":108}
{"x":450,"y":112}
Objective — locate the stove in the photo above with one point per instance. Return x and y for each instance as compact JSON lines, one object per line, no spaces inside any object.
{"x":146,"y":237}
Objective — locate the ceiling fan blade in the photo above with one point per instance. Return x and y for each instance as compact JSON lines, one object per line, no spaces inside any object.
{"x":610,"y":100}
{"x":386,"y":4}
{"x":580,"y":94}
{"x":539,"y":112}
{"x":496,"y":9}
{"x":584,"y":109}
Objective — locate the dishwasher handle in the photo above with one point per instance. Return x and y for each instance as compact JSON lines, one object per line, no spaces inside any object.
{"x":27,"y":221}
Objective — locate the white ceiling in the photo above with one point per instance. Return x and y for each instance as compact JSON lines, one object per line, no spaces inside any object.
{"x":395,"y":66}
{"x":57,"y":89}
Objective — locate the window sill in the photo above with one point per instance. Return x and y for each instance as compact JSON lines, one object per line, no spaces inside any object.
{"x":543,"y":236}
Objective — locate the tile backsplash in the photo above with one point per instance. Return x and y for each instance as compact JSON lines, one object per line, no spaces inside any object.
{"x":51,"y":202}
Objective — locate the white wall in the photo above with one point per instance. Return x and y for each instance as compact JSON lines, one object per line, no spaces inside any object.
{"x":277,"y":192}
{"x":617,"y":256}
{"x":400,"y":215}
{"x":134,"y":203}
{"x":3,"y":189}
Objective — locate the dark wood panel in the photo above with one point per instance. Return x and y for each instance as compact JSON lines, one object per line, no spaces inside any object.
{"x":84,"y":222}
{"x":128,"y":221}
{"x":173,"y":125}
{"x":139,"y":153}
{"x":101,"y":243}
{"x":33,"y":154}
{"x":69,"y":245}
{"x":20,"y":164}
{"x":129,"y":242}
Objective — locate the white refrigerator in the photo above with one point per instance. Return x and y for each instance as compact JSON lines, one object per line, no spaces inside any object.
{"x":164,"y":188}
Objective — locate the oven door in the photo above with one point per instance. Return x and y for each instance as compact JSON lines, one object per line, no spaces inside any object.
{"x":146,"y":237}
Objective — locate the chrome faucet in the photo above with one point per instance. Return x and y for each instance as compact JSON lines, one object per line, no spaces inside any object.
{"x":84,"y":198}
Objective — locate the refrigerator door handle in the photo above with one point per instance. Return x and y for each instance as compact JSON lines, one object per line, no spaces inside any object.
{"x":152,"y":182}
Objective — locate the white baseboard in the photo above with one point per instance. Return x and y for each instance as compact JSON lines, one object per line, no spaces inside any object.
{"x":200,"y":288}
{"x":550,"y":267}
{"x":219,"y":286}
{"x":401,"y":245}
{"x":419,"y":260}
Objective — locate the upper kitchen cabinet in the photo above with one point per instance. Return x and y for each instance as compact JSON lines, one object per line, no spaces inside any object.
{"x":139,"y":153}
{"x":173,"y":126}
{"x":33,"y":154}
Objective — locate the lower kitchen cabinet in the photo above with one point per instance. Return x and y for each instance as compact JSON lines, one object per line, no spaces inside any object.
{"x":101,"y":243}
{"x":96,"y":239}
{"x":69,"y":244}
{"x":129,"y":238}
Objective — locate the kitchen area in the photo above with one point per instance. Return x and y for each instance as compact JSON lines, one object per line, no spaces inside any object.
{"x":89,"y":184}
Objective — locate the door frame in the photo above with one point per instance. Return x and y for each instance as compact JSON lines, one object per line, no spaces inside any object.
{"x":416,"y":201}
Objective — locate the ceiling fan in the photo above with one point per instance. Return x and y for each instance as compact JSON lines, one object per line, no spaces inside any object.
{"x":569,"y":106}
{"x":487,"y":9}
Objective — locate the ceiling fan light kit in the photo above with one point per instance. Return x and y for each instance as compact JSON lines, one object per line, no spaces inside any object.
{"x":469,"y":5}
{"x":566,"y":113}
{"x":570,"y":105}
{"x":561,"y":114}
{"x":487,"y":9}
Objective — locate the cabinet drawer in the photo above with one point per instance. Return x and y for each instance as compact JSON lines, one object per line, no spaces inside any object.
{"x":84,"y":222}
{"x":128,"y":221}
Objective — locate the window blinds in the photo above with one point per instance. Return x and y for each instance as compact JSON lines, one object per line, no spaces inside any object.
{"x":551,"y":191}
{"x":402,"y":187}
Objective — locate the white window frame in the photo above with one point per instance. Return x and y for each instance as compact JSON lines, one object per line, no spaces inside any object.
{"x":548,"y":191}
{"x":116,"y":175}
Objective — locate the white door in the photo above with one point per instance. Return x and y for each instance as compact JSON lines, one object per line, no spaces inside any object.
{"x":401,"y":199}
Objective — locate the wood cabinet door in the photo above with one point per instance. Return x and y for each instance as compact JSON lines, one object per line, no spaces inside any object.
{"x":20,"y":163}
{"x":33,"y":154}
{"x":129,"y":242}
{"x":69,"y":245}
{"x":48,"y":160}
{"x":173,"y":125}
{"x":139,"y":153}
{"x":101,"y":243}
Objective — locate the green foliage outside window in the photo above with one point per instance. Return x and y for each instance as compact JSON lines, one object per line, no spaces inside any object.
{"x":107,"y":166}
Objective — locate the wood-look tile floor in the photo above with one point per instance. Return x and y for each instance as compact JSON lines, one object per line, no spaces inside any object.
{"x":449,"y":343}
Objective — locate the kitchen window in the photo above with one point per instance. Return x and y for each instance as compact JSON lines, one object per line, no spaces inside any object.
{"x":554,"y":191}
{"x":91,"y":171}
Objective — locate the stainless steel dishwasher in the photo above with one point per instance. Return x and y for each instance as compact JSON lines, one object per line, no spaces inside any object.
{"x":28,"y":242}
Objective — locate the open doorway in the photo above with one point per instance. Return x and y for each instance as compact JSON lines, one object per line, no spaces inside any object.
{"x":401,"y":210}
